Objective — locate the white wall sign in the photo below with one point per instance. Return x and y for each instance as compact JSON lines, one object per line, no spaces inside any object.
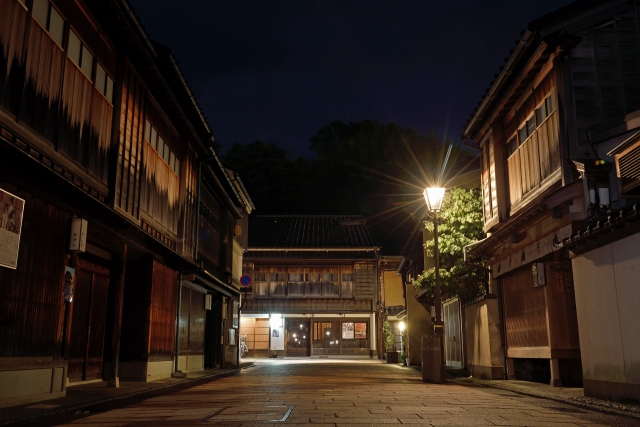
{"x":11,"y":213}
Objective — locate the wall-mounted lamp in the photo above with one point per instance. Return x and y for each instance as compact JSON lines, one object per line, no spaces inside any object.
{"x":595,"y":177}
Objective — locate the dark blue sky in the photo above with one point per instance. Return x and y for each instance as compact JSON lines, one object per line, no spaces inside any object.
{"x":280,"y":70}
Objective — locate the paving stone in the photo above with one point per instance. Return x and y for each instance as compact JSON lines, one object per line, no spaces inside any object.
{"x":329,"y":394}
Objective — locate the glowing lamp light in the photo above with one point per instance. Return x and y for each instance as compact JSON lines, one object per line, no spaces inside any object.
{"x":294,"y":335}
{"x":328,"y":333}
{"x":401,"y":325}
{"x":434,"y":196}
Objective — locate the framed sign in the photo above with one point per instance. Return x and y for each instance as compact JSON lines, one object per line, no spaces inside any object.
{"x":361,"y":330}
{"x":236,"y":306}
{"x":347,"y":331}
{"x":11,"y":212}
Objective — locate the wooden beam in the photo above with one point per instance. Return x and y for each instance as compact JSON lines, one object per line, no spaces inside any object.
{"x":118,"y":268}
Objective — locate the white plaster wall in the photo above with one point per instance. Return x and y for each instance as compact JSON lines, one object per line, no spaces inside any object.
{"x":607,"y":287}
{"x":626,"y":262}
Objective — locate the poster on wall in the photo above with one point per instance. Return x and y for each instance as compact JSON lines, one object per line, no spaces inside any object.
{"x":347,"y":331}
{"x":361,"y":330}
{"x":11,"y":209}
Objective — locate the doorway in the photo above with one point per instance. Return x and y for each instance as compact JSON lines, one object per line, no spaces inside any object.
{"x":453,"y":333}
{"x":297,"y":338}
{"x":86,"y":338}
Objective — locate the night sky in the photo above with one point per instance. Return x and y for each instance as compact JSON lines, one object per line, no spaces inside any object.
{"x":278,"y":71}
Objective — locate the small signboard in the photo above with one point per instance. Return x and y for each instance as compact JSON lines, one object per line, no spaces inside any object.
{"x":11,"y":212}
{"x":347,"y":331}
{"x":246,"y":280}
{"x":361,"y":330}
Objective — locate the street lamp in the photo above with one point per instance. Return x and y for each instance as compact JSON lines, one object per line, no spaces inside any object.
{"x":434,"y":196}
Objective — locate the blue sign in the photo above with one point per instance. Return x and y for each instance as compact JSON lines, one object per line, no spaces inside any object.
{"x":246,"y":280}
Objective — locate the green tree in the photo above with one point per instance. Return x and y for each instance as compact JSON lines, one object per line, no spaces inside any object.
{"x":388,"y":339}
{"x":276,"y":183}
{"x":462,"y":224}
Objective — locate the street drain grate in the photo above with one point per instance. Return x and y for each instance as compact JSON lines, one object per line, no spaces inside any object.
{"x":268,"y":414}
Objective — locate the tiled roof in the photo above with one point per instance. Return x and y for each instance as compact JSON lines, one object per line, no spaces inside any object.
{"x":309,"y":231}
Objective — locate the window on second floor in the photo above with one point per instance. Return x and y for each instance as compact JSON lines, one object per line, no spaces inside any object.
{"x":104,"y":83}
{"x":50,"y":19}
{"x":80,"y":55}
{"x":527,"y":129}
{"x":161,"y":148}
{"x":545,"y":109}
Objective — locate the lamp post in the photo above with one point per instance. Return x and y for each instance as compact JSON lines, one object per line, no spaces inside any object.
{"x":434,"y":197}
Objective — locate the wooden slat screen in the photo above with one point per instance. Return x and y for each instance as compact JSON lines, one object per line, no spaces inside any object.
{"x":537,"y":157}
{"x":31,"y":300}
{"x":12,"y":30}
{"x":41,"y":100}
{"x":163,"y":310}
{"x":196,"y":323}
{"x":365,"y":280}
{"x":524,"y":310}
{"x":127,"y":191}
{"x":183,"y":327}
{"x":190,"y":176}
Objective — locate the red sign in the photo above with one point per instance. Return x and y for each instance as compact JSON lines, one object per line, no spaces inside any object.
{"x":246,"y":280}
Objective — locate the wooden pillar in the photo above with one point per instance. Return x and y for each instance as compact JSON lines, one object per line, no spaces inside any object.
{"x":510,"y":369}
{"x":119,"y":262}
{"x":555,"y":373}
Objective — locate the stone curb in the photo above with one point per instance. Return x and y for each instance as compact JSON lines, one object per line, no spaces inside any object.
{"x":577,"y":403}
{"x":68,"y":409}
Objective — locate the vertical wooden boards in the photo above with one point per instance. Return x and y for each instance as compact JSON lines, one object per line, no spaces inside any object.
{"x":130,"y":140}
{"x":605,"y":74}
{"x":538,"y":156}
{"x":163,"y":310}
{"x":13,"y":22}
{"x":189,"y":175}
{"x":365,"y":280}
{"x":44,"y":68}
{"x":525,"y":311}
{"x":31,"y":295}
{"x":184,"y":324}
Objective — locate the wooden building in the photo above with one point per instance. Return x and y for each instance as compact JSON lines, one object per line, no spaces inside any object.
{"x":315,"y":287}
{"x":573,"y":70}
{"x":102,"y":145}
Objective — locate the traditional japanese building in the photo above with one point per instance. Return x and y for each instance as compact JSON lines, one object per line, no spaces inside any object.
{"x":572,"y":71}
{"x":102,"y":146}
{"x":315,"y":287}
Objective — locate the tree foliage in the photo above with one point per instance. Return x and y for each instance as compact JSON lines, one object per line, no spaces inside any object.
{"x":361,"y":168}
{"x":461,"y":224}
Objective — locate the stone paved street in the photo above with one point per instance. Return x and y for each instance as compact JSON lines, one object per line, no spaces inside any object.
{"x":337,"y":393}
